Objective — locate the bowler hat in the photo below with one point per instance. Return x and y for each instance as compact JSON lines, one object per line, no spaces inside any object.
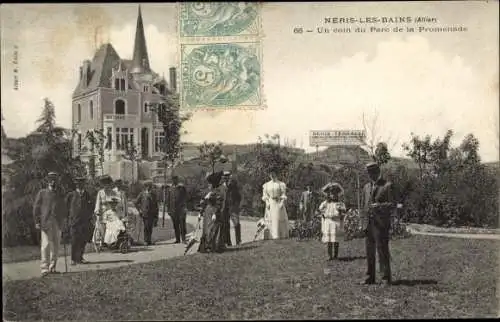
{"x":106,"y":179}
{"x":372,"y":166}
{"x":52,"y":175}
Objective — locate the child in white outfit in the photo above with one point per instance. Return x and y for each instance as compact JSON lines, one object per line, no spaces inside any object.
{"x":332,"y":212}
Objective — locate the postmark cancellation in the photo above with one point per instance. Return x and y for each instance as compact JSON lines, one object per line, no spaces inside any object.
{"x":204,"y":21}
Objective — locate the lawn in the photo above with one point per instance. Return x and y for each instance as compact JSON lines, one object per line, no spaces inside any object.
{"x":27,"y":253}
{"x":435,"y":277}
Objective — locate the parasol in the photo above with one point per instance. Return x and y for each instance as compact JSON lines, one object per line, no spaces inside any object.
{"x":261,"y":225}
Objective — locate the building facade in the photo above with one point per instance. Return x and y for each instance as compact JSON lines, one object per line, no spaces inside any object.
{"x":116,"y":96}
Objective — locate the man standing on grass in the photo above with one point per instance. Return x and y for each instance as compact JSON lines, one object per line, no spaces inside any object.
{"x":80,"y":207}
{"x":49,"y":213}
{"x":306,"y":205}
{"x":377,"y":208}
{"x":231,"y":199}
{"x":147,"y":205}
{"x":176,"y":202}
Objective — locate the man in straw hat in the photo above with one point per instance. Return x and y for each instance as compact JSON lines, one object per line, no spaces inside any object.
{"x":80,"y":208}
{"x":377,"y":208}
{"x":49,"y":213}
{"x":147,"y":205}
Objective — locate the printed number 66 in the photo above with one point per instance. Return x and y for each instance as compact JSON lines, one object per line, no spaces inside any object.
{"x":298,"y":30}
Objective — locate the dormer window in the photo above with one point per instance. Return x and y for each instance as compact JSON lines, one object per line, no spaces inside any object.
{"x":120,"y":84}
{"x":145,"y":88}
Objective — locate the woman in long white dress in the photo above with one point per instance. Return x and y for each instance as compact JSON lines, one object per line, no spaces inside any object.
{"x":104,"y":196}
{"x":276,"y":217}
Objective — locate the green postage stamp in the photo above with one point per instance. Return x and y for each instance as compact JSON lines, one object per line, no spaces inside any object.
{"x":221,"y":76}
{"x":219,"y":19}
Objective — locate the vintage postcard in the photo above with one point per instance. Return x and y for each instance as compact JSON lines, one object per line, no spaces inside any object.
{"x":250,"y":160}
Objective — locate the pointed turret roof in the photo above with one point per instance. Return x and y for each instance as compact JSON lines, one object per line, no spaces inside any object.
{"x":140,"y":60}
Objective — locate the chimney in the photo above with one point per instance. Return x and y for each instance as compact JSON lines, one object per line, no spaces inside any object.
{"x":173,"y":79}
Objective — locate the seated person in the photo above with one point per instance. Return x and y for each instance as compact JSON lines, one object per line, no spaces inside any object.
{"x":114,"y":225}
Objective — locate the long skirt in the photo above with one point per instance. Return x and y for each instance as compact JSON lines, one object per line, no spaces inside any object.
{"x":277,"y":220}
{"x":212,"y":238}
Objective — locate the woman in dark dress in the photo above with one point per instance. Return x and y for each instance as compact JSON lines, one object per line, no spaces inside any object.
{"x":212,"y":239}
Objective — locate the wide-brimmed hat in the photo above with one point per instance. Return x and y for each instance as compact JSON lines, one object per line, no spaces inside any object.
{"x":147,"y":183}
{"x":214,"y":178}
{"x":80,"y":179}
{"x":113,"y":200}
{"x":105,"y":180}
{"x":332,"y":187}
{"x":226,"y":173}
{"x":118,"y":182}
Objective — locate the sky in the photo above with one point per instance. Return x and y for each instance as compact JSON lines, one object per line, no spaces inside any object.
{"x":422,"y":83}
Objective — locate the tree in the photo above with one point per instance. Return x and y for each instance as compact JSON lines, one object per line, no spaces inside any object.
{"x":169,"y":115}
{"x":45,"y":150}
{"x":132,"y":154}
{"x":371,"y":126}
{"x":96,"y":139}
{"x":419,"y":149}
{"x":382,"y":155}
{"x":212,"y":152}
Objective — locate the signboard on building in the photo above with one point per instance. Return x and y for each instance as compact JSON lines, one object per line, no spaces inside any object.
{"x":337,"y":138}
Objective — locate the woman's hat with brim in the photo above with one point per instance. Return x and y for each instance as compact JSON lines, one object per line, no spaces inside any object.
{"x":114,"y":200}
{"x":214,"y":178}
{"x":147,"y":183}
{"x":332,"y":187}
{"x":105,"y":180}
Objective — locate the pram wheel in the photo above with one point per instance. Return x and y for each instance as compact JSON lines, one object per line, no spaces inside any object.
{"x":124,"y":246}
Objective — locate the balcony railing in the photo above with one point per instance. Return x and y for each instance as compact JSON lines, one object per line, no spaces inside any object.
{"x":120,"y":117}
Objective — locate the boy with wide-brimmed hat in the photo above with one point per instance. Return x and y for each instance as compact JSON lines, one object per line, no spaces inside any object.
{"x":332,"y":211}
{"x":49,"y":212}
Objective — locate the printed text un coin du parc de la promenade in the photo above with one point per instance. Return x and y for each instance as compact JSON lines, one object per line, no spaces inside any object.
{"x":419,"y":24}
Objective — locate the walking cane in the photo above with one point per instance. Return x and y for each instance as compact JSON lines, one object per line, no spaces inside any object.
{"x":65,"y":256}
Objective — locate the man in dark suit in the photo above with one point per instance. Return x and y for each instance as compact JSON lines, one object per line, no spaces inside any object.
{"x":306,"y":204}
{"x":377,"y":208}
{"x":147,"y":205}
{"x":80,"y":207}
{"x":49,"y":213}
{"x":231,"y":199}
{"x":176,"y":202}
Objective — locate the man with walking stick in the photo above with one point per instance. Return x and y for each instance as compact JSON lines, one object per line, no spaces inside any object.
{"x":147,"y":205}
{"x":80,"y":208}
{"x":49,"y":212}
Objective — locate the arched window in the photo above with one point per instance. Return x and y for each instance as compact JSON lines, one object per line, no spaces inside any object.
{"x":120,"y":107}
{"x":79,"y":113}
{"x":91,"y":110}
